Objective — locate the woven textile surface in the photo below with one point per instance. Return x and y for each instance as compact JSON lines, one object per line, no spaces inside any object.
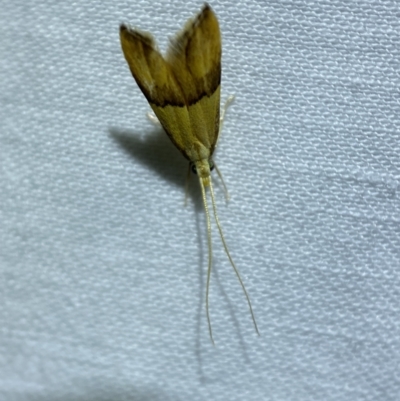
{"x":102,"y":267}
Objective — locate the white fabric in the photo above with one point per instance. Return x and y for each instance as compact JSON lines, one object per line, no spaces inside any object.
{"x":103,"y":268}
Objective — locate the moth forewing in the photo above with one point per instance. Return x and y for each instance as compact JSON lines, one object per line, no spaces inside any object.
{"x":183,"y":89}
{"x":195,"y":56}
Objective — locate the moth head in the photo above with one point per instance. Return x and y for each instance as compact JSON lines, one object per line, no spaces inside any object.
{"x":203,"y":168}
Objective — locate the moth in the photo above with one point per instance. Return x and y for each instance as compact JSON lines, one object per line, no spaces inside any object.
{"x":183,"y":89}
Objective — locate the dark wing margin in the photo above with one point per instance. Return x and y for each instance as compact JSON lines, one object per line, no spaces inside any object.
{"x":148,"y":67}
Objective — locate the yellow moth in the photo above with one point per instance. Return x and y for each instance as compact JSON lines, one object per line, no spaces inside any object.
{"x":183,"y":89}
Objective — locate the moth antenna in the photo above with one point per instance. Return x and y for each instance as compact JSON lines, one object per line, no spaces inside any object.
{"x":203,"y":194}
{"x":223,"y":182}
{"x":230,"y":257}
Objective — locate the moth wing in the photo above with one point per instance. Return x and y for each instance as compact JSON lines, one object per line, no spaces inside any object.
{"x":194,"y":57}
{"x":158,"y":84}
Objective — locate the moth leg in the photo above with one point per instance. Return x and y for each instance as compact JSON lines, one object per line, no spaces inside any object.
{"x":152,"y":117}
{"x":223,"y":182}
{"x":187,"y":185}
{"x":228,"y":102}
{"x":224,"y":108}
